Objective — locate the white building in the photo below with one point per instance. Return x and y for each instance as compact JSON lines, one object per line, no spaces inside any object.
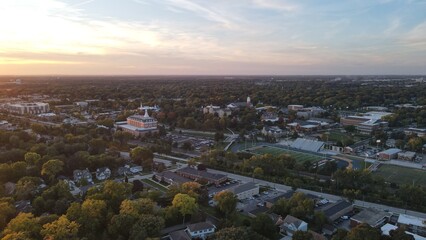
{"x":27,"y":108}
{"x":245,"y":190}
{"x":103,"y":173}
{"x":200,"y":230}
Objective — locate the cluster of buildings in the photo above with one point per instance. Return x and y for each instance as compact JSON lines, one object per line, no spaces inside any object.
{"x":366,"y":123}
{"x":305,"y":112}
{"x":188,"y":174}
{"x":395,"y":153}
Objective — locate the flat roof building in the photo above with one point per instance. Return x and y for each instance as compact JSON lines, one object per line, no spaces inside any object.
{"x":27,"y":108}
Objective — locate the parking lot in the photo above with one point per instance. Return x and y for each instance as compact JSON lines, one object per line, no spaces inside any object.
{"x":198,"y":143}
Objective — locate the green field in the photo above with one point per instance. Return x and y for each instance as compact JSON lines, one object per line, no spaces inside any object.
{"x":275,"y":151}
{"x":402,"y":175}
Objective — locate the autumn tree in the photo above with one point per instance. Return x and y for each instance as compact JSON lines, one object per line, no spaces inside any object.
{"x":226,"y":202}
{"x":142,"y":156}
{"x":185,"y":203}
{"x":51,"y":168}
{"x":61,"y":229}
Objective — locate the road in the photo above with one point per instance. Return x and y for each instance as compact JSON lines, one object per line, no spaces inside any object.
{"x":284,"y":188}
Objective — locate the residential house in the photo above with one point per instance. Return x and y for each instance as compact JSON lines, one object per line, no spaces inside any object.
{"x":292,"y":224}
{"x":82,"y":174}
{"x":103,"y":173}
{"x":389,"y":227}
{"x":200,"y":230}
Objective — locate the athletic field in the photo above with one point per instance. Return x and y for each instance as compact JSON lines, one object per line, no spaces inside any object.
{"x":402,"y":175}
{"x":275,"y":151}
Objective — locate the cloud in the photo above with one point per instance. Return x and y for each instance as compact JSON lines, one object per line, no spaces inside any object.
{"x":276,"y":5}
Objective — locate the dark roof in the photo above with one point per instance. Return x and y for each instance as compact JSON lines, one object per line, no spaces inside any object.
{"x":200,"y":226}
{"x":244,"y":187}
{"x":286,"y":195}
{"x":179,"y":235}
{"x":259,"y":210}
{"x":334,"y":208}
{"x":173,"y":176}
{"x":202,"y":174}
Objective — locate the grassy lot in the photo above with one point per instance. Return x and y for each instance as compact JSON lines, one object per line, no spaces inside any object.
{"x":275,"y":151}
{"x":155,"y":184}
{"x":402,"y":175}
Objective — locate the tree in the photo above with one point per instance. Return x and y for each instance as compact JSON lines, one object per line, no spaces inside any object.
{"x":257,"y":172}
{"x":26,"y":187}
{"x":97,"y":146}
{"x":365,"y":232}
{"x":137,"y":207}
{"x":340,"y":234}
{"x":7,"y":211}
{"x":351,"y":194}
{"x":226,"y":202}
{"x":400,"y":234}
{"x":51,"y":168}
{"x":263,"y":225}
{"x":26,"y":224}
{"x":185,"y":203}
{"x":237,"y":233}
{"x":61,"y":229}
{"x":218,"y":136}
{"x":142,"y":156}
{"x":187,"y":146}
{"x":302,"y":235}
{"x":32,"y":158}
{"x":151,"y":224}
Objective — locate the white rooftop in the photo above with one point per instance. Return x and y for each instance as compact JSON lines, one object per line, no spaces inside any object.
{"x":388,"y":227}
{"x":411,"y":220}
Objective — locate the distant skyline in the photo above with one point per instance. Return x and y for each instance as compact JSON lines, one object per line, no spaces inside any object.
{"x":220,"y":37}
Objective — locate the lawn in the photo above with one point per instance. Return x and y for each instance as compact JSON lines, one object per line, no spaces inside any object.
{"x":155,"y":185}
{"x":402,"y":175}
{"x":275,"y":151}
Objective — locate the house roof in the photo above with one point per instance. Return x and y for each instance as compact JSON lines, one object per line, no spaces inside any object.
{"x":179,"y":235}
{"x":203,"y":174}
{"x":174,"y":177}
{"x":200,"y":226}
{"x":391,"y":151}
{"x":370,"y":216}
{"x":333,"y":209}
{"x":293,"y":220}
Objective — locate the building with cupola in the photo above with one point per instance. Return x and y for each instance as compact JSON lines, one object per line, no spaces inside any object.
{"x":139,"y":125}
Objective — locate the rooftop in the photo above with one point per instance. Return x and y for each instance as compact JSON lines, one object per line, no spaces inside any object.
{"x":411,"y":220}
{"x":335,"y":208}
{"x":391,"y":151}
{"x":204,"y":174}
{"x":200,"y":226}
{"x":370,"y":216}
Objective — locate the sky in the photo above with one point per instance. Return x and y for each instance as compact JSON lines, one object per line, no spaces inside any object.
{"x":212,"y":37}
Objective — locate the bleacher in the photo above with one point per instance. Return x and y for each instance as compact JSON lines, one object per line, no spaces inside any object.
{"x":307,"y":145}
